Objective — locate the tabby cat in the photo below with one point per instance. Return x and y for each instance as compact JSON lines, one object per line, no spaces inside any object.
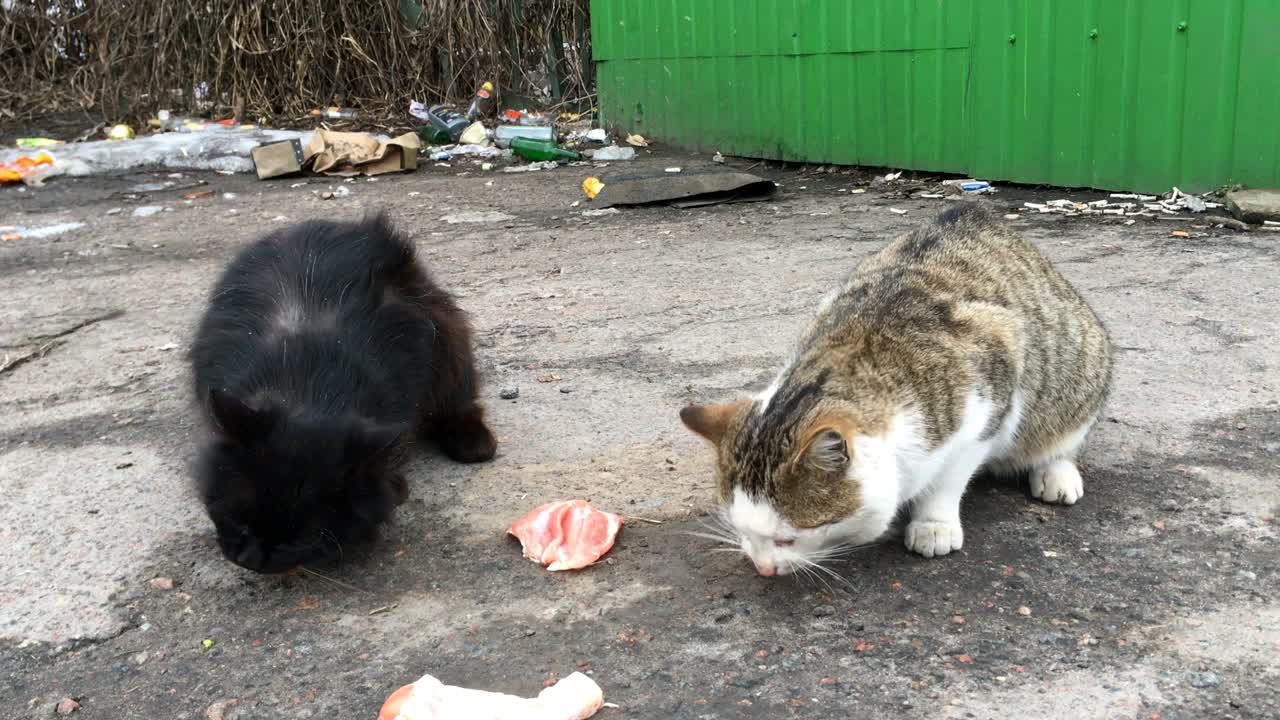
{"x":956,"y":347}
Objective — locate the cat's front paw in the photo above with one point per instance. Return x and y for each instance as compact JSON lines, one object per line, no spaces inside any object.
{"x":1059,"y":482}
{"x":932,"y":538}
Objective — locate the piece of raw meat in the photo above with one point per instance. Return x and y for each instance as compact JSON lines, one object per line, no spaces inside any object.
{"x":567,"y":534}
{"x":576,"y":697}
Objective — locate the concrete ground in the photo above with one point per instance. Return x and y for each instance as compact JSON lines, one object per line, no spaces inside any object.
{"x":1155,"y":597}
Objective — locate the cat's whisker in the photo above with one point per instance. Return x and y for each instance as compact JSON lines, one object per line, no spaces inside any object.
{"x":818,"y":567}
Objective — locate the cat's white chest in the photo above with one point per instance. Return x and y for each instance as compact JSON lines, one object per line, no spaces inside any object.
{"x":920,"y":469}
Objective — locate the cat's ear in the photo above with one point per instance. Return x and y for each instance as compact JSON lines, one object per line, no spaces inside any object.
{"x":369,"y":440}
{"x":827,"y":451}
{"x":237,"y":419}
{"x":711,"y":421}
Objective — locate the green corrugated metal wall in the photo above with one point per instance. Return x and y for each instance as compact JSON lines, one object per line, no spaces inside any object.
{"x":1116,"y":94}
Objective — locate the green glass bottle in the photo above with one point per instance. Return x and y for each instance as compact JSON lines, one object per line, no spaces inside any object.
{"x":540,"y":150}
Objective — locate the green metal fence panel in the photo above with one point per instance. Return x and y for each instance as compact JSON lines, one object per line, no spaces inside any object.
{"x":1114,"y":94}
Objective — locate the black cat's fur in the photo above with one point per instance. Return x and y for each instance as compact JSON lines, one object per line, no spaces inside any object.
{"x":325,"y":351}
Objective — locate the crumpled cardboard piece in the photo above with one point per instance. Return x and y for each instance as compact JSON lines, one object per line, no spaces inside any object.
{"x":345,"y":154}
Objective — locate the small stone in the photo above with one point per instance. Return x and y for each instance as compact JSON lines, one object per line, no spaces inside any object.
{"x":218,"y":710}
{"x":1247,"y":575}
{"x":509,"y":393}
{"x":115,"y":211}
{"x":66,"y":706}
{"x":1079,"y":614}
{"x":1170,"y":506}
{"x":824,"y":611}
{"x":161,"y":583}
{"x":147,"y":211}
{"x":957,"y":619}
{"x":1203,"y":680}
{"x":1024,"y":611}
{"x":566,"y":389}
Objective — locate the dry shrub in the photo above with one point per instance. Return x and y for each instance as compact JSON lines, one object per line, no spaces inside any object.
{"x":277,"y":59}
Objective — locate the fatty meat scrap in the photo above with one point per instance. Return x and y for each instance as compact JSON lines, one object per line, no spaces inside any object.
{"x":567,"y":534}
{"x":576,"y":697}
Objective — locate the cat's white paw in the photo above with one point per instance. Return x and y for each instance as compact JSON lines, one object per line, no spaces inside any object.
{"x":1059,"y":482}
{"x":932,"y":538}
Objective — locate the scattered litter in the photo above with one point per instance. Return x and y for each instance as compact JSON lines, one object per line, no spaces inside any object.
{"x":566,"y":535}
{"x":1179,"y":234}
{"x":613,"y":152}
{"x":541,"y":151}
{"x":478,"y":216}
{"x":197,"y":195}
{"x":504,"y":134}
{"x":207,"y":643}
{"x":891,"y":177}
{"x":597,"y":135}
{"x":115,"y":211}
{"x":931,"y":196}
{"x":383,"y":609}
{"x":576,"y":697}
{"x":717,"y":158}
{"x":977,"y":187}
{"x":147,"y":210}
{"x":1013,"y":216}
{"x":347,"y":154}
{"x":223,"y":149}
{"x":637,"y":140}
{"x":121,"y":132}
{"x":857,"y":191}
{"x":228,"y":196}
{"x":532,"y":167}
{"x":32,"y":171}
{"x":278,"y":158}
{"x":598,"y":213}
{"x":673,"y":170}
{"x":482,"y":103}
{"x":13,"y":232}
{"x":160,"y":583}
{"x":36,"y":142}
{"x":897,"y":211}
{"x":1132,"y":196}
{"x":592,"y":187}
{"x":66,"y":706}
{"x":482,"y":151}
{"x":1050,"y":554}
{"x":687,"y":189}
{"x":10,"y":236}
{"x":474,"y":134}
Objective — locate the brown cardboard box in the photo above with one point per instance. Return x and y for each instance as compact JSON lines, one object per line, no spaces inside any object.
{"x":345,"y":154}
{"x":278,"y":158}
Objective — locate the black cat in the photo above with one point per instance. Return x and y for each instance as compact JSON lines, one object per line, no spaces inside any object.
{"x":325,"y":351}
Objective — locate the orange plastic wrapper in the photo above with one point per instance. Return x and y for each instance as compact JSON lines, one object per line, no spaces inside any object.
{"x":20,"y":168}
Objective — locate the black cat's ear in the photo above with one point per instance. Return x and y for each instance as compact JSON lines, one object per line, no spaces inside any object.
{"x":237,"y":419}
{"x":369,"y":441}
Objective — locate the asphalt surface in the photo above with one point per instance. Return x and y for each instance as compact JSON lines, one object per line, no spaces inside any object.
{"x":1154,"y":597}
